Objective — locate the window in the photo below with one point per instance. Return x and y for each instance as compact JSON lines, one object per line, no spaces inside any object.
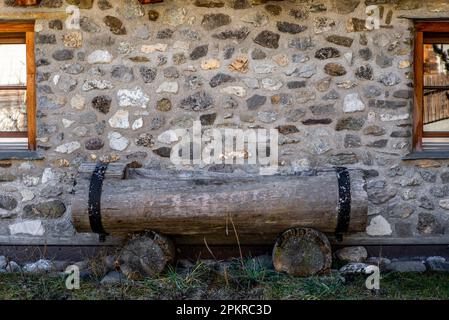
{"x":17,"y":87}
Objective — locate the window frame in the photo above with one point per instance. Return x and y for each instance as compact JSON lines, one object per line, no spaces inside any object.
{"x":26,"y":27}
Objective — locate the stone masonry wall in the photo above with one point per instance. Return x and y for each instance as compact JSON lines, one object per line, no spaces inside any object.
{"x":338,"y":93}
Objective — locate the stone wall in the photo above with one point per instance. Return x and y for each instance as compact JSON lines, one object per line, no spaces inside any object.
{"x":338,"y":93}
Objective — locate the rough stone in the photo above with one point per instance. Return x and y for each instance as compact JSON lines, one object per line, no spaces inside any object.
{"x":45,"y":210}
{"x":267,"y":39}
{"x":352,"y":254}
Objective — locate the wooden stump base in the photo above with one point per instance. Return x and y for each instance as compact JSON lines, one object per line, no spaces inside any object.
{"x":302,"y":252}
{"x":147,"y":254}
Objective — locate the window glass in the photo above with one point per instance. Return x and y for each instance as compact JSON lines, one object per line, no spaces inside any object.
{"x":13,"y":110}
{"x":13,"y":65}
{"x":13,"y":74}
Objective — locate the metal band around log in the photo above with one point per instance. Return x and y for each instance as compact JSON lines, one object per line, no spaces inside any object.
{"x":94,"y":201}
{"x":344,"y":201}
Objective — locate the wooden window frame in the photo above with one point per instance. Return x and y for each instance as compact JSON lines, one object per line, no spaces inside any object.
{"x":27,"y":28}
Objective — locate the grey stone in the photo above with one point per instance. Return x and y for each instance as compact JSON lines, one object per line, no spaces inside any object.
{"x":163,"y":152}
{"x":255,"y":101}
{"x":296,"y":84}
{"x":62,"y":55}
{"x":374,"y":130}
{"x":228,"y":52}
{"x":327,"y":53}
{"x":258,"y":54}
{"x":7,"y":202}
{"x":378,"y":144}
{"x":237,"y":34}
{"x":148,"y":74}
{"x":366,"y":54}
{"x":301,"y":43}
{"x":406,"y":266}
{"x":197,"y":102}
{"x":343,"y":158}
{"x":365,"y":72}
{"x":389,"y":79}
{"x":288,"y":27}
{"x":426,"y":203}
{"x":352,"y":141}
{"x":219,"y":79}
{"x":45,"y":39}
{"x":345,"y":6}
{"x":165,"y":34}
{"x":122,"y":73}
{"x":113,"y":277}
{"x":354,"y":268}
{"x":295,"y":114}
{"x":331,"y":95}
{"x":384,"y":61}
{"x":371,"y":91}
{"x":94,"y":143}
{"x":428,"y":224}
{"x":268,"y":39}
{"x":87,"y":25}
{"x":215,"y":20}
{"x":47,"y":210}
{"x":387,"y":104}
{"x":352,"y":254}
{"x":72,"y":68}
{"x":349,"y":123}
{"x":199,"y":52}
{"x":40,"y":266}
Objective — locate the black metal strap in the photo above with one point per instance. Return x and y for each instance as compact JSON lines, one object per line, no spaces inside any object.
{"x":344,"y":201}
{"x":94,"y":202}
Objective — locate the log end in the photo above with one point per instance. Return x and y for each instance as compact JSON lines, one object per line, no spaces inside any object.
{"x":146,"y":254}
{"x":302,"y":252}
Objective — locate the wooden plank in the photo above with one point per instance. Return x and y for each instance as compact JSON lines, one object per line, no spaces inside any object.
{"x":31,"y":91}
{"x":25,"y":26}
{"x":418,"y":113}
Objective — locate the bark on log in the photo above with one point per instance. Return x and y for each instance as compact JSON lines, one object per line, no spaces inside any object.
{"x":302,"y":252}
{"x":209,"y":203}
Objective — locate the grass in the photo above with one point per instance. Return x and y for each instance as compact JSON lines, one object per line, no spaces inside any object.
{"x":232,"y":280}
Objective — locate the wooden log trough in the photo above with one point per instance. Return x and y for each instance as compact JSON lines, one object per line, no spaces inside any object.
{"x":119,"y":201}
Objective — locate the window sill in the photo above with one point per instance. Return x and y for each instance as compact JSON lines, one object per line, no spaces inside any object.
{"x":429,"y":155}
{"x":20,"y":155}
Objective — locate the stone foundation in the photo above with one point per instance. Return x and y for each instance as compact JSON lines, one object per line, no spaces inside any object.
{"x":339,"y":94}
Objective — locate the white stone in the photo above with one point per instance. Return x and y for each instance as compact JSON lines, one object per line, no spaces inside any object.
{"x":353,"y":103}
{"x":137,"y":124}
{"x":349,"y":56}
{"x":32,"y":228}
{"x":89,"y":85}
{"x":132,"y":98}
{"x":99,"y":56}
{"x":56,"y":79}
{"x":168,"y":87}
{"x":48,"y":175}
{"x":149,"y":48}
{"x":120,"y":119}
{"x":168,"y":137}
{"x":265,"y":68}
{"x":181,"y":45}
{"x":78,"y":102}
{"x":394,"y":117}
{"x":30,"y":181}
{"x":117,"y":141}
{"x":271,"y":84}
{"x":4,"y":214}
{"x":251,"y":83}
{"x":379,"y":226}
{"x":234,"y":90}
{"x":68,"y":147}
{"x":27,"y":195}
{"x":39,"y":266}
{"x":444,"y":203}
{"x":67,"y":123}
